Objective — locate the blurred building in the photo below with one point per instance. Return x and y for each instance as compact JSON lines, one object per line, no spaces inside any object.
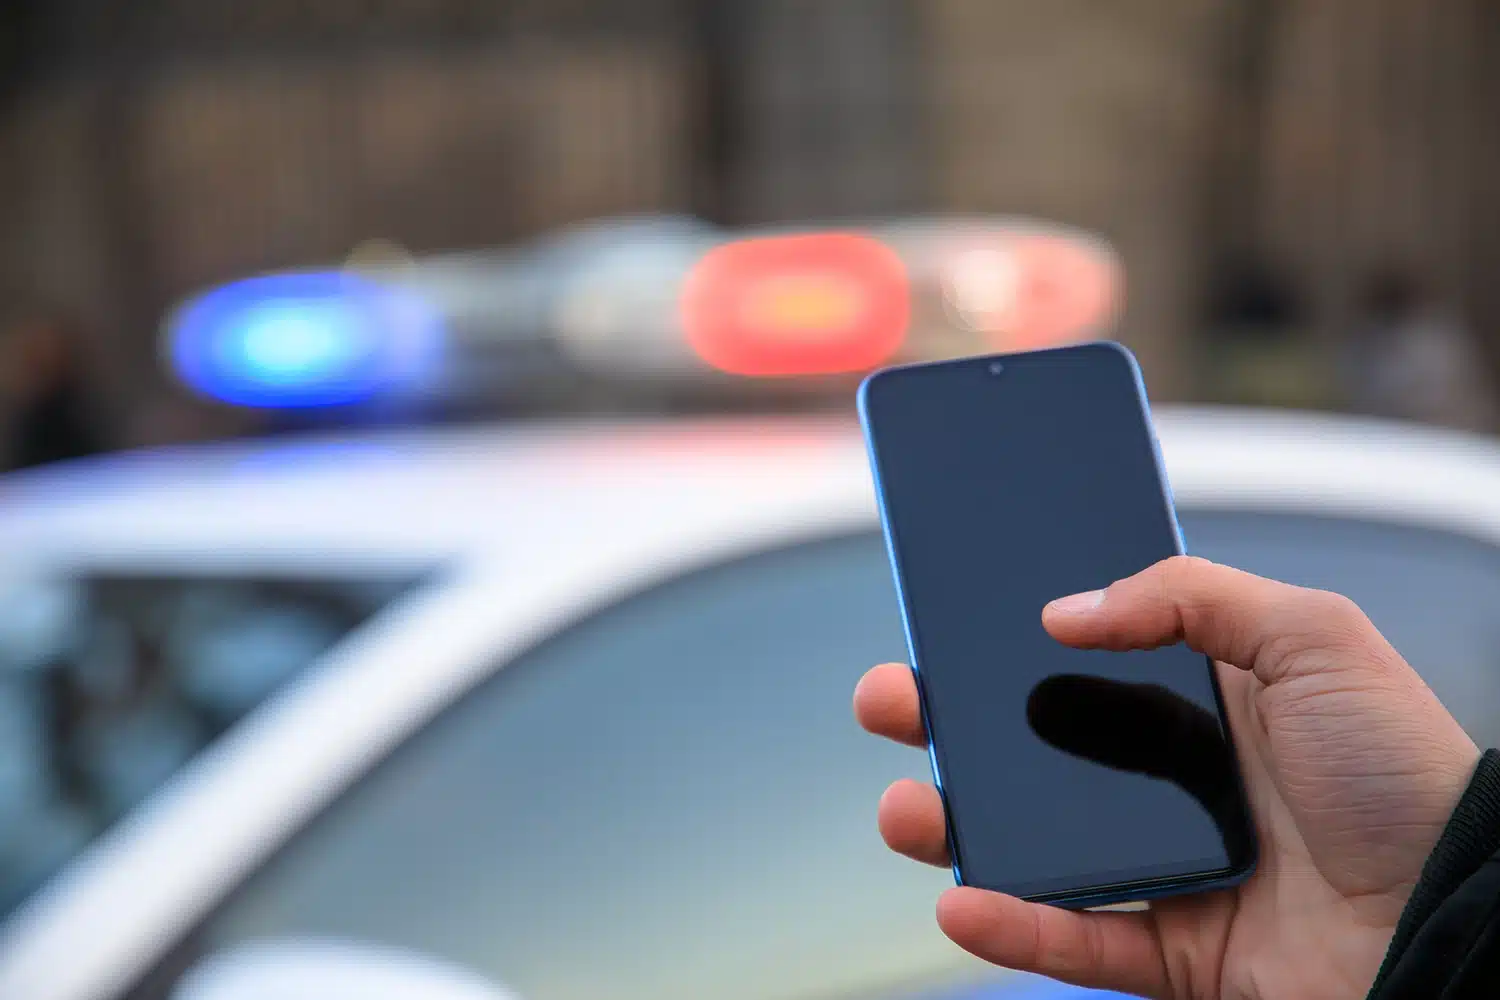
{"x":152,"y":147}
{"x":1374,"y":139}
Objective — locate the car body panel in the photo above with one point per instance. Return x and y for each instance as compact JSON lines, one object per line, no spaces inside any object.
{"x":529,"y":530}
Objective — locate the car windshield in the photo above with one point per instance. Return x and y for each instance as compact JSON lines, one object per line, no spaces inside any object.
{"x":671,"y":800}
{"x":110,"y":683}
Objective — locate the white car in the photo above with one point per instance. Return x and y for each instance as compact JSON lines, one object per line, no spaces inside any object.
{"x":560,"y":710}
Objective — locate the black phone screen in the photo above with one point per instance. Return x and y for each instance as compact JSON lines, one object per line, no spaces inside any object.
{"x":1007,"y":482}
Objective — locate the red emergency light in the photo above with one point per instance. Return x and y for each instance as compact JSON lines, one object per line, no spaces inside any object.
{"x":810,"y":304}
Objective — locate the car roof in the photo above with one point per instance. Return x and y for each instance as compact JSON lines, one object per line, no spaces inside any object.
{"x":554,"y":521}
{"x":418,"y":494}
{"x":410,"y":493}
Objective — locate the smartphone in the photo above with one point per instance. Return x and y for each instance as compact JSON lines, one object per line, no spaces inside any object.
{"x":1075,"y":777}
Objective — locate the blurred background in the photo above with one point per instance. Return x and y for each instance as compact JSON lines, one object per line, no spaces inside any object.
{"x":473,"y":550}
{"x":1283,"y":180}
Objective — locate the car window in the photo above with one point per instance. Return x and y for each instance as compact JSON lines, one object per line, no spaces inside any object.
{"x":109,"y":683}
{"x":671,"y":800}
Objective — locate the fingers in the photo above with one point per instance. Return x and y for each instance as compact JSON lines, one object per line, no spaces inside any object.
{"x":911,"y":822}
{"x":911,"y":813}
{"x":1245,"y":620}
{"x":886,"y":704}
{"x":1113,"y":951}
{"x":1116,"y":951}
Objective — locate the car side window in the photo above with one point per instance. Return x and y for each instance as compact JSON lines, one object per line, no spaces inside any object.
{"x":110,"y":683}
{"x":671,"y":800}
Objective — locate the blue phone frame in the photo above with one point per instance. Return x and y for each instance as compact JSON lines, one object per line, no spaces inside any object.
{"x":1093,"y":896}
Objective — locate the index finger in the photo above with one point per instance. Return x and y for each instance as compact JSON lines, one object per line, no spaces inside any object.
{"x":1235,"y":617}
{"x":886,"y":704}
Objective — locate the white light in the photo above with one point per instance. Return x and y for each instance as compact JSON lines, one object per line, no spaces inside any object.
{"x":980,"y":289}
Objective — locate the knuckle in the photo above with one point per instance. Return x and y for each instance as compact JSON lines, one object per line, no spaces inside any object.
{"x":1033,"y":944}
{"x":1188,"y":567}
{"x":1338,"y":617}
{"x":1320,"y":624}
{"x":1180,"y":590}
{"x":1179,"y":577}
{"x":1176,"y":571}
{"x":1074,"y":949}
{"x":1093,"y":947}
{"x":1335,"y":605}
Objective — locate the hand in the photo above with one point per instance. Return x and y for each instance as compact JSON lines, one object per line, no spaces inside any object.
{"x":1352,"y":767}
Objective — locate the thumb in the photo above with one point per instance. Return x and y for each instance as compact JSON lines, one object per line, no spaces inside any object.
{"x":1236,"y":617}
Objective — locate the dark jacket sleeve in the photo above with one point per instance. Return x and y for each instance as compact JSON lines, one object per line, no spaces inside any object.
{"x":1447,"y":943}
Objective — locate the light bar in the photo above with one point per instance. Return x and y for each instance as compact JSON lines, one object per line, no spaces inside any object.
{"x":304,"y":340}
{"x":809,"y":304}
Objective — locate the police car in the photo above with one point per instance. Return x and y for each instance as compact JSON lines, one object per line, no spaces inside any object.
{"x":558,"y":708}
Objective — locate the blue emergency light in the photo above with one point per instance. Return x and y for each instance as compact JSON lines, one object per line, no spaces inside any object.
{"x":305,"y":340}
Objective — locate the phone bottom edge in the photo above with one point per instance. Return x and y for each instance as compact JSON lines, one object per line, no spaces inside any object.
{"x":1134,"y":892}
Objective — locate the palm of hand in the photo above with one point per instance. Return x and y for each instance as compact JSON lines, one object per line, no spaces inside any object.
{"x":1348,"y":801}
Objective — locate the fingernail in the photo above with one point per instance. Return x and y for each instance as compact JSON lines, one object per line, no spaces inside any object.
{"x":1075,"y":604}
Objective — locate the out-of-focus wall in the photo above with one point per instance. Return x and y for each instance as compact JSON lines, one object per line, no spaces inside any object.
{"x":248,"y":168}
{"x":1381,"y":143}
{"x":1089,"y":113}
{"x":824,"y":106}
{"x":1325,"y":139}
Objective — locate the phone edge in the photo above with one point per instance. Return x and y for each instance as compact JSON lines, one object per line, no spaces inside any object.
{"x":893,"y":560}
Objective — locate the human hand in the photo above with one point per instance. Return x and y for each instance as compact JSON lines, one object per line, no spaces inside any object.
{"x":1351,"y":764}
